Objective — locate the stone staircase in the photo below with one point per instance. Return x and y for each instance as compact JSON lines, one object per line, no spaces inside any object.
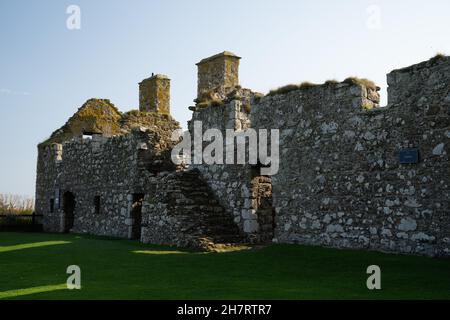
{"x":206,"y":225}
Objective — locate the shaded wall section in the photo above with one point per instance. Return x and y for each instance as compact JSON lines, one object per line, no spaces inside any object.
{"x":341,"y":182}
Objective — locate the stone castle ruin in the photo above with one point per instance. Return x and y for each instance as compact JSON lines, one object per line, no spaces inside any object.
{"x":351,"y":174}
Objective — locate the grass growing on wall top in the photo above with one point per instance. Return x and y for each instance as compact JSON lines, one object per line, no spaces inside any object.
{"x":361,"y":81}
{"x":307,"y":85}
{"x":291,"y":87}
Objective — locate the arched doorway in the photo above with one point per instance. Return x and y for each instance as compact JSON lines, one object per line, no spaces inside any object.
{"x":69,"y":208}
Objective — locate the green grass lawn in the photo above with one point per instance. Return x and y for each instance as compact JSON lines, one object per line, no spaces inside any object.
{"x":33,"y":266}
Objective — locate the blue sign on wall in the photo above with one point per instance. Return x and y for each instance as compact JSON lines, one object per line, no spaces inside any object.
{"x":409,"y":156}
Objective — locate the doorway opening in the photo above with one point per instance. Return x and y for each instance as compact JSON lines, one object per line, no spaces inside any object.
{"x":136,"y":215}
{"x":261,"y":187}
{"x":69,"y":209}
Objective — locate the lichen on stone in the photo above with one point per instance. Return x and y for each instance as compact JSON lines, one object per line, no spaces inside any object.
{"x":100,"y":116}
{"x":94,"y":116}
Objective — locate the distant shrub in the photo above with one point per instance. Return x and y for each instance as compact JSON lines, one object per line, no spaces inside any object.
{"x":14,"y":204}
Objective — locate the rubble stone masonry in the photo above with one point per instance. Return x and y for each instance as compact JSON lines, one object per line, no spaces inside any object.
{"x":351,"y":174}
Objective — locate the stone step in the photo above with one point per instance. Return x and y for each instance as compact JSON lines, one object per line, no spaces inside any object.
{"x":205,"y":220}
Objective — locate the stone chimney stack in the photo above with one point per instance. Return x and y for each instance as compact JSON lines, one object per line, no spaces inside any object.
{"x":154,"y":94}
{"x":220,"y":70}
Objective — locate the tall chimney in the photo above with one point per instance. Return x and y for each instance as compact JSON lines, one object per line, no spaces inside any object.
{"x":220,"y":70}
{"x":154,"y":94}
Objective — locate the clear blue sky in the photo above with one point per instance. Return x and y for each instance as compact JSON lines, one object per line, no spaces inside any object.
{"x":48,"y":71}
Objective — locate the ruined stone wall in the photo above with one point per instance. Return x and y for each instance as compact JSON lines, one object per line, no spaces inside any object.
{"x":183,"y":211}
{"x":231,"y":183}
{"x":110,"y":168}
{"x":104,"y":173}
{"x":340,"y":182}
{"x":48,"y":164}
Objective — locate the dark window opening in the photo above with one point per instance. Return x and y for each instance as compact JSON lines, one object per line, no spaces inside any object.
{"x":97,"y":204}
{"x":136,"y":215}
{"x":52,"y":205}
{"x":89,"y":135}
{"x":69,"y":205}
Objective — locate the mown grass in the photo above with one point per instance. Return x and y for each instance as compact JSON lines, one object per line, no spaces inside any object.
{"x":33,"y":266}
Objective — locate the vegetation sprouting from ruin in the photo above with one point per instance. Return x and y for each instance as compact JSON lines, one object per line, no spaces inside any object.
{"x":292,"y":87}
{"x":136,"y":118}
{"x":222,"y":95}
{"x":438,"y":56}
{"x":350,"y":80}
{"x":94,"y":116}
{"x":307,"y":85}
{"x":209,"y":99}
{"x":362,"y":82}
{"x":331,"y":82}
{"x":247,"y":107}
{"x":100,"y":116}
{"x":367,"y":106}
{"x":213,"y":102}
